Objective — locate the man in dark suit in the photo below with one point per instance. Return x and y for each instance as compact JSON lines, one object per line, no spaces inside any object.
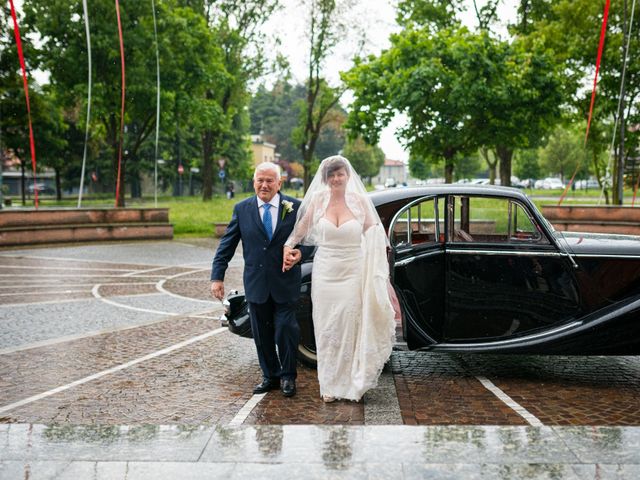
{"x":264,"y":223}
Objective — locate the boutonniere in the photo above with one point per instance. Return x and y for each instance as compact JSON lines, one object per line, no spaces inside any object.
{"x":287,"y":207}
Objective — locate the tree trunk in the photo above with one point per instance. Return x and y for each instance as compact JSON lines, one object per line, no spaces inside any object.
{"x":492,"y":165}
{"x":207,"y":165}
{"x":58,"y":184}
{"x":505,"y":155}
{"x":23,"y":184}
{"x":448,"y":167}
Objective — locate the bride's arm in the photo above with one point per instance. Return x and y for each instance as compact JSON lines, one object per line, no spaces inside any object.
{"x":301,"y":227}
{"x":370,"y":219}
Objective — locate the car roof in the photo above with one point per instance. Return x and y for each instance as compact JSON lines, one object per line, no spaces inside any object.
{"x":380,"y":197}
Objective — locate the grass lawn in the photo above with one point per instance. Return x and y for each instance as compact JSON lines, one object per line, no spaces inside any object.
{"x":191,"y":217}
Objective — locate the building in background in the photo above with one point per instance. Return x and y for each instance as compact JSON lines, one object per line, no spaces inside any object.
{"x":392,"y":173}
{"x":262,"y":151}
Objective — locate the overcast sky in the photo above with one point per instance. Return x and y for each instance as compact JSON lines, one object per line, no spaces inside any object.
{"x":378,"y":18}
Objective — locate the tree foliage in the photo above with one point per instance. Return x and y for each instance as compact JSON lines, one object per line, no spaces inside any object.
{"x":571,"y":29}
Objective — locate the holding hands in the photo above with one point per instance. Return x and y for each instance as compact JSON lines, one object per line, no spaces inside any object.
{"x":290,"y":257}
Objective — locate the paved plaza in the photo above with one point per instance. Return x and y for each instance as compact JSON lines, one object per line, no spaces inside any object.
{"x":114,"y":364}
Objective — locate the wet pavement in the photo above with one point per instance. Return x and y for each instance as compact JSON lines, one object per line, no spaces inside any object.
{"x":114,"y":364}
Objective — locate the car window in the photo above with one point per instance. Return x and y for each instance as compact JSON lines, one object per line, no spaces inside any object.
{"x":523,"y":228}
{"x":415,"y":226}
{"x":491,"y":220}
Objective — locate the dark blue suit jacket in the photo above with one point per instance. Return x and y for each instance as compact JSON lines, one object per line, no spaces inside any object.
{"x":263,"y":273}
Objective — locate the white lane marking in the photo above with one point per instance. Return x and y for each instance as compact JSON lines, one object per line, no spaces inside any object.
{"x":115,"y":369}
{"x":75,"y":300}
{"x":97,"y":295}
{"x":244,"y":412}
{"x":510,"y":402}
{"x":161,"y":289}
{"x":15,"y":255}
{"x":9,"y":267}
{"x":73,"y":275}
{"x":136,"y":272}
{"x":80,"y":336}
{"x":57,"y":284}
{"x":54,"y":292}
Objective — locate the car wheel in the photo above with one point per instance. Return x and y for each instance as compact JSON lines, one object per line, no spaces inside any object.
{"x":307,"y":346}
{"x":307,"y":356}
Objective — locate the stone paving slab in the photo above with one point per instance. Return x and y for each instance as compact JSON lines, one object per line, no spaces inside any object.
{"x":435,"y":389}
{"x":206,"y":382}
{"x":30,"y":372}
{"x":569,"y":390}
{"x":146,"y":253}
{"x":39,"y":470}
{"x":274,"y":452}
{"x":25,"y":324}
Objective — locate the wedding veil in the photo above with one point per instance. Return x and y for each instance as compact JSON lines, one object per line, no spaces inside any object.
{"x":316,"y":200}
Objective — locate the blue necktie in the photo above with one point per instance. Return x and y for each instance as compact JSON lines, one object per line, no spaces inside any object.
{"x":266,"y":220}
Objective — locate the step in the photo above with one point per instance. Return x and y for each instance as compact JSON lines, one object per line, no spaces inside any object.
{"x":46,"y":216}
{"x":25,"y":235}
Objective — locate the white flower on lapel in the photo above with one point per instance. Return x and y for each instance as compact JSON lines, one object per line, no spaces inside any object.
{"x":287,"y":207}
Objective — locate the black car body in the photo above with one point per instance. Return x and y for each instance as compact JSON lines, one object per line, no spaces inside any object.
{"x":479,"y":269}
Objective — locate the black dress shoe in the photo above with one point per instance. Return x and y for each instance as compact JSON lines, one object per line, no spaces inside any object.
{"x":288,"y":388}
{"x":266,"y":385}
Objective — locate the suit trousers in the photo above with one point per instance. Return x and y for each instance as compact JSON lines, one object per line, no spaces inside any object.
{"x":275,"y":325}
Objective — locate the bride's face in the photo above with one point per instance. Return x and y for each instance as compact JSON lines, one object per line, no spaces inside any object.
{"x":337,"y":179}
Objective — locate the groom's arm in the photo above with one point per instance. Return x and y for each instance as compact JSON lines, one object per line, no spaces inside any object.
{"x":226,"y":249}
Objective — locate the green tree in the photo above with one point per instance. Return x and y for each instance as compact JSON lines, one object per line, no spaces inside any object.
{"x":563,"y":154}
{"x":571,"y":28}
{"x":526,"y":164}
{"x":321,"y":98}
{"x":365,"y":159}
{"x":426,"y":76}
{"x":46,"y":114}
{"x":235,"y":24}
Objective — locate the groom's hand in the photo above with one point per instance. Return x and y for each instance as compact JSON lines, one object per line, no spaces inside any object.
{"x":217,"y":289}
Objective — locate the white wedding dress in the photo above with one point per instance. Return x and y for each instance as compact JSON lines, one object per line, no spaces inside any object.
{"x":353,"y":317}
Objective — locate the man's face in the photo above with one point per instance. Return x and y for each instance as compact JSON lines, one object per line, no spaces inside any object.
{"x":266,"y":185}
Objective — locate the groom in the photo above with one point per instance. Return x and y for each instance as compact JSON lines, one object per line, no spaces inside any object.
{"x":264,"y":223}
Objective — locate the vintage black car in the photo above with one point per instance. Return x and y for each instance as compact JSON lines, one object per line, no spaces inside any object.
{"x":479,"y":269}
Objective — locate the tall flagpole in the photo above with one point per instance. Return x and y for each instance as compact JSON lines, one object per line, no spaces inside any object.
{"x":86,"y":132}
{"x":155,"y":175}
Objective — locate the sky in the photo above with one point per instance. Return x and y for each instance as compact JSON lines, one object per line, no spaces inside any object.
{"x":377,"y":17}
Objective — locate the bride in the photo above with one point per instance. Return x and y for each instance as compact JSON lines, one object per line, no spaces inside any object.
{"x":353,"y":316}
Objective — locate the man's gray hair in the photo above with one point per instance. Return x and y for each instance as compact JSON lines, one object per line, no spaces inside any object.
{"x":264,"y":166}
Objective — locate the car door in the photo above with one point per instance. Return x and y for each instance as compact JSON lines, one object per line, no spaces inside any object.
{"x":505,"y":277}
{"x":417,"y":242}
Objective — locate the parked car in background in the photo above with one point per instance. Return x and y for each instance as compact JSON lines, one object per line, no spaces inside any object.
{"x":549,"y":183}
{"x":588,"y":184}
{"x":41,"y":188}
{"x":479,"y":269}
{"x":390,"y":182}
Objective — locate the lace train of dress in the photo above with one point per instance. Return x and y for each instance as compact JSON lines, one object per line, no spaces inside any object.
{"x":352,"y":314}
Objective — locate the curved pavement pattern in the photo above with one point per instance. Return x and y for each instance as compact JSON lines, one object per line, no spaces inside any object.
{"x":113,"y":355}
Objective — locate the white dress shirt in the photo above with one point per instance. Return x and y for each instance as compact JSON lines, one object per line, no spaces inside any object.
{"x":275,"y":201}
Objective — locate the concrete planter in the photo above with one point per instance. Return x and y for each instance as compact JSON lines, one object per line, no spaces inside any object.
{"x":219,"y":229}
{"x":598,"y":219}
{"x":28,"y":227}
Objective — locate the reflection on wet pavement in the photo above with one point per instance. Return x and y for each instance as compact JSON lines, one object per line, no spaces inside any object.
{"x":272,"y":451}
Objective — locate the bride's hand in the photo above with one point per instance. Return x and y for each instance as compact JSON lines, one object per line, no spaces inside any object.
{"x":286,"y":263}
{"x":290,"y":256}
